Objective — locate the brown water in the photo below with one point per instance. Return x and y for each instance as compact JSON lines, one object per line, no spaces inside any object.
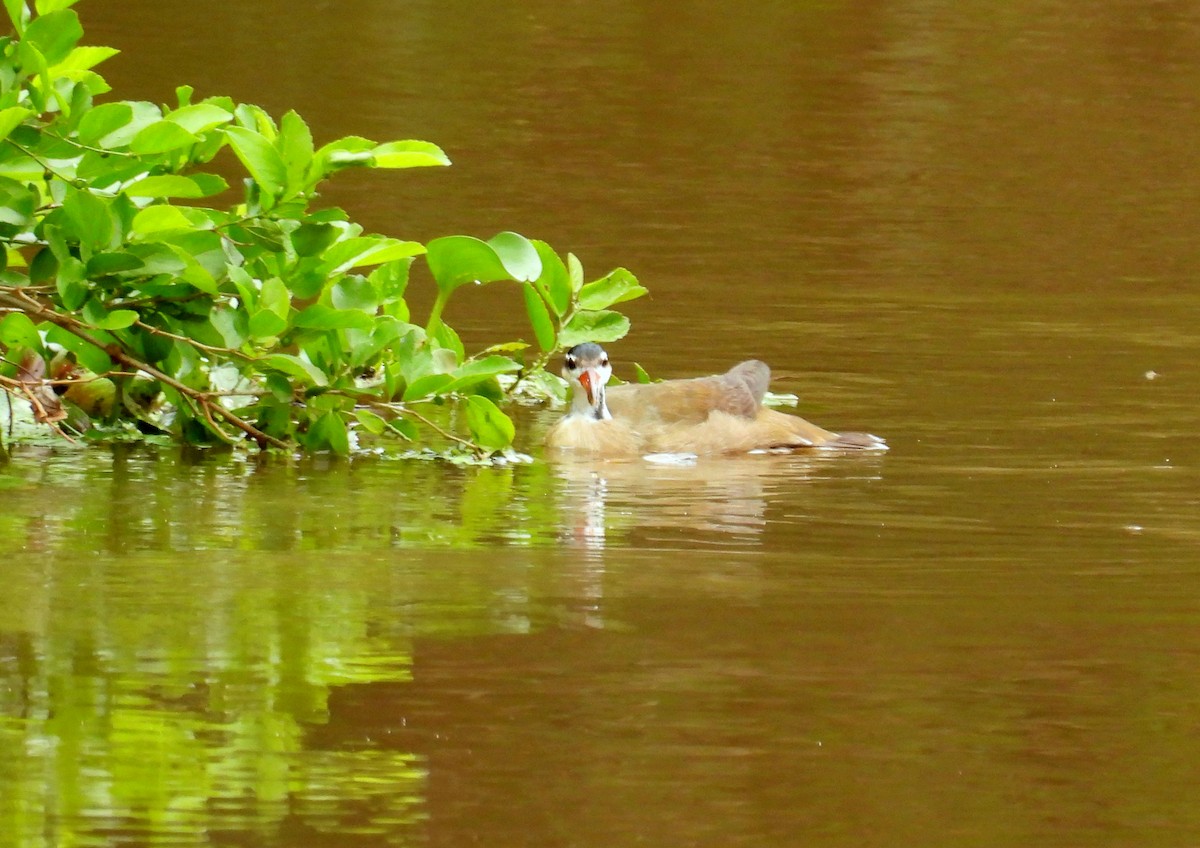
{"x":971,"y":230}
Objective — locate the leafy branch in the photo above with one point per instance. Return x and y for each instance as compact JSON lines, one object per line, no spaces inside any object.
{"x":202,"y":400}
{"x":254,"y":318}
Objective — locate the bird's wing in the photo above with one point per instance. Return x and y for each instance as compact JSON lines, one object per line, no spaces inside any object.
{"x":739,"y":391}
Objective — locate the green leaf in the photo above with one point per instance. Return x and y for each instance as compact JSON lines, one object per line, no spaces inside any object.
{"x":11,"y":118}
{"x":71,"y":270}
{"x":280,"y":387}
{"x":54,"y":35}
{"x":296,"y":149}
{"x":95,"y":313}
{"x":547,"y":385}
{"x":507,"y":347}
{"x":199,"y":118}
{"x":780,"y":399}
{"x":88,"y":85}
{"x":366,"y":250}
{"x":256,"y":119}
{"x":616,"y":287}
{"x":210,"y":184}
{"x":45,"y":7}
{"x":490,"y":428}
{"x":445,"y":339}
{"x":81,"y":59}
{"x":103,"y":264}
{"x":554,"y":281}
{"x":157,"y":219}
{"x":311,"y":239}
{"x":404,"y":428}
{"x":275,"y":296}
{"x":56,"y":239}
{"x":330,"y":432}
{"x":232,"y":325}
{"x":390,"y":280}
{"x":294,"y":366}
{"x":575,"y":272}
{"x":370,"y":422}
{"x":408,"y":154}
{"x":320,"y":317}
{"x":157,"y":259}
{"x":72,"y":292}
{"x":33,"y":63}
{"x":265,"y":324}
{"x":161,"y":137}
{"x":454,"y":260}
{"x":602,"y":326}
{"x":539,"y":317}
{"x":17,"y":330}
{"x":480,"y":370}
{"x":103,"y":121}
{"x":354,"y":292}
{"x":266,"y":233}
{"x":640,"y":373}
{"x":118,"y":319}
{"x":260,"y":158}
{"x":181,"y":243}
{"x":174,"y":185}
{"x":518,"y":255}
{"x":144,"y":114}
{"x":427,"y":385}
{"x":18,"y":13}
{"x":342,"y":153}
{"x":385,"y":332}
{"x":245,"y":284}
{"x":89,"y":356}
{"x":17,"y":203}
{"x":91,"y":222}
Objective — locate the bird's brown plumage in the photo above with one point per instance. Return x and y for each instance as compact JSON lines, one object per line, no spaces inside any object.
{"x":723,"y":413}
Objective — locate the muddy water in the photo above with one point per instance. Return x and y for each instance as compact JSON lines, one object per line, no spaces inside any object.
{"x":971,"y":231}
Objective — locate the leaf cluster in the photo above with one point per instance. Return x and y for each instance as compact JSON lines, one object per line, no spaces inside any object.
{"x":159,"y":298}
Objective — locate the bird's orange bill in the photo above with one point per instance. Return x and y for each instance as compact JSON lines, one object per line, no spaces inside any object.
{"x":585,"y":380}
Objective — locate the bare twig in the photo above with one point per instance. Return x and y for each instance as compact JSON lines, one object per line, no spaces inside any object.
{"x":444,"y":433}
{"x":79,"y":381}
{"x":8,"y":397}
{"x":538,"y":365}
{"x":206,"y":409}
{"x":45,"y":166}
{"x":119,"y":354}
{"x":40,"y":413}
{"x":101,"y":150}
{"x":206,"y":347}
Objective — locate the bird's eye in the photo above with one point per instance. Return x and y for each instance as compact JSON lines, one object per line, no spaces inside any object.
{"x":570,"y":362}
{"x":604,"y":362}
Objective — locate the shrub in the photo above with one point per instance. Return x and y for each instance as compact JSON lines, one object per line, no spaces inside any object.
{"x":141,"y":294}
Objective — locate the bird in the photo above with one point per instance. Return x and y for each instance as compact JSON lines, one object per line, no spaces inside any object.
{"x":721,"y":414}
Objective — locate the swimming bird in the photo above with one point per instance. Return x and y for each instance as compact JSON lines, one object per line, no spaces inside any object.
{"x":723,"y":413}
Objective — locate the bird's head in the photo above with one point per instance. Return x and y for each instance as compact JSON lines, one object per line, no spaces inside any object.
{"x":586,"y":369}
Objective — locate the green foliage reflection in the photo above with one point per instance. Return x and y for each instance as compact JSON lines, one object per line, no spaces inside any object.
{"x":129,"y":709}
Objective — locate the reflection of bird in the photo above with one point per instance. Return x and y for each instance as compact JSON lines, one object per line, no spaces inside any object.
{"x":707,"y":415}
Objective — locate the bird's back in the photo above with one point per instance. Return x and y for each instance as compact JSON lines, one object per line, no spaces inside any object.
{"x":738,"y":392}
